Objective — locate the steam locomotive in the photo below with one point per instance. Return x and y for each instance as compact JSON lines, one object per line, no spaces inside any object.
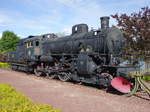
{"x":84,"y":56}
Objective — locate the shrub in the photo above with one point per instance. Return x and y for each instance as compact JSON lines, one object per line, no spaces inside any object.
{"x":146,"y":78}
{"x":4,"y":65}
{"x":13,"y":101}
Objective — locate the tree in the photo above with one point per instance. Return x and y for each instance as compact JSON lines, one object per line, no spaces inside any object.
{"x":136,"y":28}
{"x":8,"y":41}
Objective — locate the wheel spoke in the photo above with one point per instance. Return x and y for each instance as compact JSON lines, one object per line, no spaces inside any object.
{"x":37,"y":72}
{"x":64,"y":76}
{"x":50,"y":76}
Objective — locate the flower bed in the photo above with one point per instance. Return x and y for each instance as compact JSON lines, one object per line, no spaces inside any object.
{"x":4,"y":65}
{"x":13,"y":101}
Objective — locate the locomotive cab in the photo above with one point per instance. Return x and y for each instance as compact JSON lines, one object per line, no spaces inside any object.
{"x":33,"y":45}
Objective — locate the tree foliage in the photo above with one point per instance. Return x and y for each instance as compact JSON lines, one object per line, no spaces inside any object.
{"x":8,"y":41}
{"x":136,"y":28}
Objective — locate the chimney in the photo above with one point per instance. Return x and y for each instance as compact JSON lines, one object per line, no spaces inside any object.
{"x":104,"y":22}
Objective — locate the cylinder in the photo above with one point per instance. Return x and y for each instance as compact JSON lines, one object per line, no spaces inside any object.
{"x":104,"y":22}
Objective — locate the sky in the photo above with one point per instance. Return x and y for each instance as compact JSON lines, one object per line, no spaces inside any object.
{"x":35,"y":17}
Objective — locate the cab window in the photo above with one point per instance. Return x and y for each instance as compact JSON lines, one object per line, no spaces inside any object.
{"x":37,"y":43}
{"x":95,"y":33}
{"x":31,"y":44}
{"x":27,"y":45}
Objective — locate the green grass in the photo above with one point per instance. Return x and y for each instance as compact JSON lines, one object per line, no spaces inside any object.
{"x":13,"y":101}
{"x":146,"y":78}
{"x":138,"y":73}
{"x":4,"y":65}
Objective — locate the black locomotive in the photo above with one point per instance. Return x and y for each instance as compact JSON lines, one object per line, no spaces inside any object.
{"x":84,"y":56}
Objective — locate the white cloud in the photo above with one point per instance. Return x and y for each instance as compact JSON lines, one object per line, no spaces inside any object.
{"x":68,"y":2}
{"x":4,"y":19}
{"x":21,"y":36}
{"x":1,"y":34}
{"x":61,"y":15}
{"x":130,"y":2}
{"x":88,"y":11}
{"x":82,"y":11}
{"x":67,"y":30}
{"x":19,"y":20}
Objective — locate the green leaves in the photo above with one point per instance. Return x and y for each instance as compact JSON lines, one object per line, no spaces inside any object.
{"x":136,"y":28}
{"x":8,"y":41}
{"x":146,"y":78}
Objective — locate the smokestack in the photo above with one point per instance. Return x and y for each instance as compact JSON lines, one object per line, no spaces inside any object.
{"x":104,"y":22}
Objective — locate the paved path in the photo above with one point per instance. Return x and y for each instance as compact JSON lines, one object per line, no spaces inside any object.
{"x":70,"y":97}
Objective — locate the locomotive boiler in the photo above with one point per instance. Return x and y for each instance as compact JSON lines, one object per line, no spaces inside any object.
{"x":105,"y":40}
{"x":84,"y":56}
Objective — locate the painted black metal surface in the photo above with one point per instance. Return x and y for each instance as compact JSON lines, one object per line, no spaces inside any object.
{"x":84,"y":56}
